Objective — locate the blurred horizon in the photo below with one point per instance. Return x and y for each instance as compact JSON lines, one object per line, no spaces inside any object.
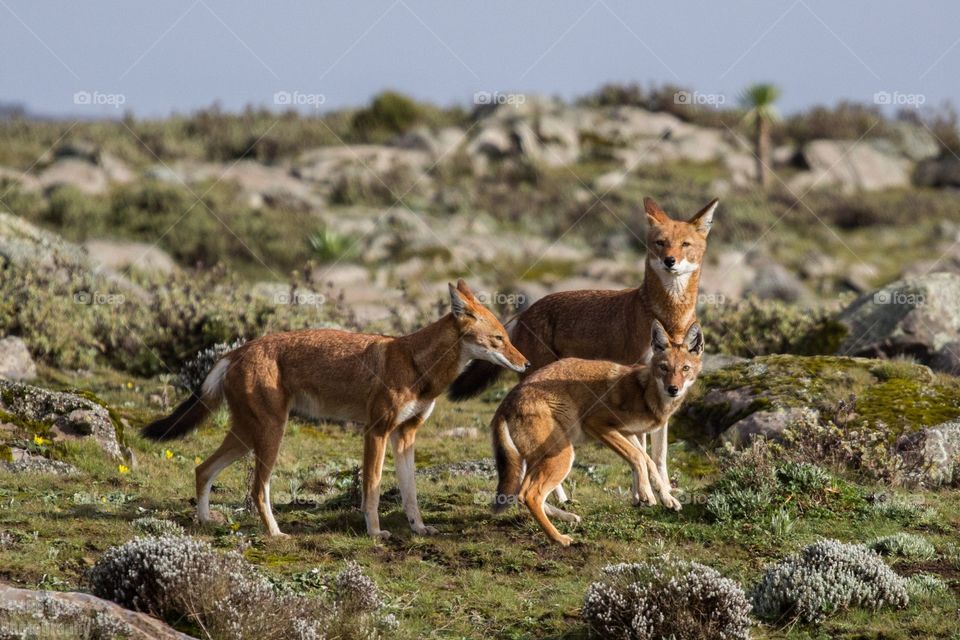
{"x":181,"y":57}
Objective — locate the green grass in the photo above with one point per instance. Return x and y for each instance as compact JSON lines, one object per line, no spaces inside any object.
{"x":484,"y":575}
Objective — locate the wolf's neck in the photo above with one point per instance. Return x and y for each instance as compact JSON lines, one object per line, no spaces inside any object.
{"x":436,"y":353}
{"x":678,"y":291}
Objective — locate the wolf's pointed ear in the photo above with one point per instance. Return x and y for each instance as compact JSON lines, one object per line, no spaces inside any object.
{"x":464,"y":289}
{"x":693,"y":341}
{"x":703,"y":219}
{"x":655,"y":214}
{"x":659,"y":339}
{"x":458,"y":302}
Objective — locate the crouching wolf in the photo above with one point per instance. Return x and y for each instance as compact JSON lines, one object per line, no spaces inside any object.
{"x":387,"y":384}
{"x":537,"y":423}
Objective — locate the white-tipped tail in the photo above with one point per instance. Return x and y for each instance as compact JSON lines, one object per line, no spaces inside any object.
{"x":213,"y":383}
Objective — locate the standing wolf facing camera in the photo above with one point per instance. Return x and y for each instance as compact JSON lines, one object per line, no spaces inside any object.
{"x":614,"y":325}
{"x":540,"y":420}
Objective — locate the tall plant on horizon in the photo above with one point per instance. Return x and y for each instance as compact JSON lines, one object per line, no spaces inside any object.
{"x":758,"y":100}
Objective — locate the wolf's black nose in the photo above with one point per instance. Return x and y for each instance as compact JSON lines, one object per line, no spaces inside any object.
{"x":673,"y":390}
{"x":669,"y":261}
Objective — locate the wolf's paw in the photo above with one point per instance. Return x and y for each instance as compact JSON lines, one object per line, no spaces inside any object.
{"x":212,"y":518}
{"x":647,"y":499}
{"x":380,"y":534}
{"x":279,"y":535}
{"x":670,"y":502}
{"x":424,"y":530}
{"x":564,"y":541}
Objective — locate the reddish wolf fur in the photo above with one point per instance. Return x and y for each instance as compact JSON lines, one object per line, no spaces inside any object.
{"x":614,"y":325}
{"x":535,"y":427}
{"x":387,"y":384}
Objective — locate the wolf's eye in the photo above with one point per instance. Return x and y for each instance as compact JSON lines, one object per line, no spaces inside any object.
{"x":686,"y":367}
{"x":661,"y":243}
{"x":686,"y":244}
{"x":664,"y":368}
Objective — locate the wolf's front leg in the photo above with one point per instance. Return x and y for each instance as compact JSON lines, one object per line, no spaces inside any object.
{"x":403,"y":440}
{"x":658,"y":451}
{"x":374,"y":448}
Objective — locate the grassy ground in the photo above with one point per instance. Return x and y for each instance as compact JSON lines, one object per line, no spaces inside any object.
{"x":484,"y":575}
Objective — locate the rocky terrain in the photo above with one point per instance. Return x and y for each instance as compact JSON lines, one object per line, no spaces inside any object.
{"x":830,"y":302}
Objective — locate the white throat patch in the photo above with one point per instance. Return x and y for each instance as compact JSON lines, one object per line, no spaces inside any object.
{"x":675,"y":282}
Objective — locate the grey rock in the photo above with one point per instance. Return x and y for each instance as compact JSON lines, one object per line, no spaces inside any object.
{"x":938,"y":172}
{"x":774,"y":281}
{"x":769,"y":424}
{"x":69,"y":416}
{"x":716,"y":361}
{"x":15,"y":361}
{"x":85,"y":176}
{"x":22,"y":461}
{"x":49,"y":611}
{"x":120,"y":255}
{"x":851,"y":166}
{"x":932,"y":455}
{"x":917,"y":317}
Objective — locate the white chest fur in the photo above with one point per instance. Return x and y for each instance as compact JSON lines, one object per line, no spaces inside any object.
{"x":422,"y":408}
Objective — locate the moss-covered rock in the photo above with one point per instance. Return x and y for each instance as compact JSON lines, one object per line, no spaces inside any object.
{"x":56,"y":414}
{"x":905,"y":397}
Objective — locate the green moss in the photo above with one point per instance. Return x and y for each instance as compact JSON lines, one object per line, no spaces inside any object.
{"x":901,"y":394}
{"x":37,"y":427}
{"x":6,"y":453}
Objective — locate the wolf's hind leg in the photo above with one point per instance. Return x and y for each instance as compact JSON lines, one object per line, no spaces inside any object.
{"x":540,"y":480}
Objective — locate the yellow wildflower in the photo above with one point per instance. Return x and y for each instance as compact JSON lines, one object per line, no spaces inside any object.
{"x":168,"y":454}
{"x":123,"y":468}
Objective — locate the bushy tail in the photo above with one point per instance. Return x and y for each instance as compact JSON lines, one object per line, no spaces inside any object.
{"x":478,"y":375}
{"x":509,"y":465}
{"x":191,"y":413}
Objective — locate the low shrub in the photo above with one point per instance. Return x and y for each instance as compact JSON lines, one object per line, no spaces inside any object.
{"x":824,"y":578}
{"x":147,"y":328}
{"x":754,"y":327}
{"x":664,"y":599}
{"x":194,"y":371}
{"x":923,"y":585}
{"x":756,"y":486}
{"x":157,"y":527}
{"x":180,"y":578}
{"x":904,"y":545}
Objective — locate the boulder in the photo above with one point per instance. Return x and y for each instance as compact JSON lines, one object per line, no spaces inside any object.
{"x":81,"y":174}
{"x":933,"y":454}
{"x":22,"y":461}
{"x":45,"y":614}
{"x":850,"y":166}
{"x":25,"y":245}
{"x":769,"y":424}
{"x":938,"y":172}
{"x":260,"y":183}
{"x":773,"y":281}
{"x":441,"y":144}
{"x":23,"y":180}
{"x":368,"y":165}
{"x":767,"y":394}
{"x":64,"y":415}
{"x":15,"y":361}
{"x":121,"y":255}
{"x":917,"y":317}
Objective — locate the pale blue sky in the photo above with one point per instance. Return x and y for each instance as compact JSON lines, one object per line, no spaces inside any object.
{"x":179,"y":55}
